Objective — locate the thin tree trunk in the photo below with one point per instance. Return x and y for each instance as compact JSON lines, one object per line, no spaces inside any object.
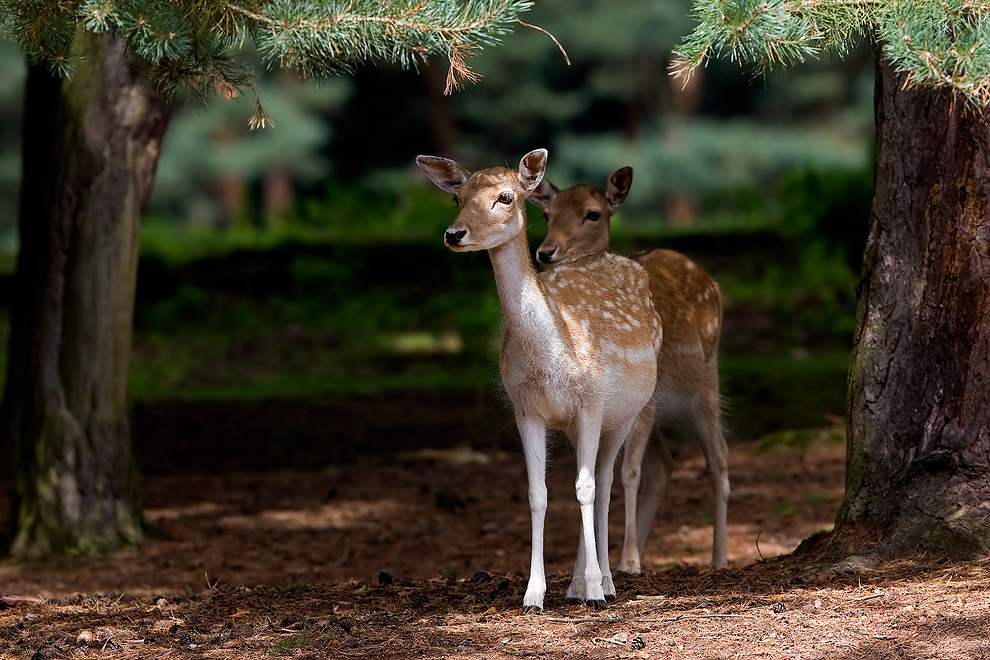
{"x":918,"y":465}
{"x":65,"y":405}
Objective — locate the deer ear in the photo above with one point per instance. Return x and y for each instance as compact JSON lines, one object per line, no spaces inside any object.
{"x":531,"y":169}
{"x":544,"y":194}
{"x":618,"y":187}
{"x":447,"y":174}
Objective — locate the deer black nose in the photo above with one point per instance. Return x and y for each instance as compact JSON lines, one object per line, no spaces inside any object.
{"x":454,"y":237}
{"x":545,"y":255}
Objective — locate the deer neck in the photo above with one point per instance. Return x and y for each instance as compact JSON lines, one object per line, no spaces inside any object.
{"x":529,"y":316}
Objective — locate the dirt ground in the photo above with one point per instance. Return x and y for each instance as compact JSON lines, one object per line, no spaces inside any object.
{"x":424,"y":554}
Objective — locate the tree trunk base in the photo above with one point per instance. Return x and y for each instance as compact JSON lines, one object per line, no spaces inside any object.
{"x":73,"y":512}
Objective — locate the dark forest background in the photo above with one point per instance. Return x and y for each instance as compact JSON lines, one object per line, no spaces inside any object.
{"x":305,"y":261}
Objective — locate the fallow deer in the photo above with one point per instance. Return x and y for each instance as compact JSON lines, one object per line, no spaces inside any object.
{"x":579,"y":354}
{"x":690,"y":304}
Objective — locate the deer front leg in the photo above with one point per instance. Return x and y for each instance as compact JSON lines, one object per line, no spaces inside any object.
{"x":586,"y":443}
{"x":576,"y":592}
{"x":534,"y":441}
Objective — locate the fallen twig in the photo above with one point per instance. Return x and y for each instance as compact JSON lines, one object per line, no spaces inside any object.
{"x":15,"y":601}
{"x":680,"y":617}
{"x":589,"y":619}
{"x":862,"y":598}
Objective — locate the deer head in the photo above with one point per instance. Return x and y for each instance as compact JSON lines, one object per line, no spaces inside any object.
{"x":578,"y":218}
{"x":491,"y":203}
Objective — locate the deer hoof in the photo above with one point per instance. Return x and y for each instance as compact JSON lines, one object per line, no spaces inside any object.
{"x":596,"y":604}
{"x":532,"y":609}
{"x":609,"y":598}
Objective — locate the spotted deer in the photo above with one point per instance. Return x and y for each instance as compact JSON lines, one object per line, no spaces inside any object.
{"x":579,"y":354}
{"x":690,"y":303}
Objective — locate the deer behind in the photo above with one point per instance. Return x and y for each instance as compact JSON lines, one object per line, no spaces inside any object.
{"x":579,"y":354}
{"x":690,"y":304}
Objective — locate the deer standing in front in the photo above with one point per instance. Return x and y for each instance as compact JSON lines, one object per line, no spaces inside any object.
{"x":690,"y":303}
{"x":579,"y":354}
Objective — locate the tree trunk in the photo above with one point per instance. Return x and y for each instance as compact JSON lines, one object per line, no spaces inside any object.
{"x":918,"y":465}
{"x":91,"y":144}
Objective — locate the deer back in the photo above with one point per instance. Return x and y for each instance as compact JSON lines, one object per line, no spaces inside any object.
{"x":688,"y":298}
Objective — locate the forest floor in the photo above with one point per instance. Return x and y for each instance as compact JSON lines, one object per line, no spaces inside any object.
{"x":424,"y":553}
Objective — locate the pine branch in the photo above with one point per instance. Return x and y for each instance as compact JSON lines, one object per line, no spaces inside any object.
{"x":194,"y":43}
{"x":945,"y":43}
{"x":317,"y":41}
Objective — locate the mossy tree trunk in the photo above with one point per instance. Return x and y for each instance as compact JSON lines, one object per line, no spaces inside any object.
{"x":918,"y":465}
{"x":91,"y":145}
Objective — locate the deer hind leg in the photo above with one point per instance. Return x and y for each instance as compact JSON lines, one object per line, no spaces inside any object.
{"x":533,"y":434}
{"x":576,"y":589}
{"x":634,"y":470}
{"x":657,"y":466}
{"x":707,"y":426}
{"x":608,"y":451}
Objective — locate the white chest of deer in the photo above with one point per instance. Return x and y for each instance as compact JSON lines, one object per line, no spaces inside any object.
{"x":579,"y":354}
{"x":596,"y":312}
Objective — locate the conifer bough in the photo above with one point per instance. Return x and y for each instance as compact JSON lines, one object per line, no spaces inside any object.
{"x":936,"y":43}
{"x":194,"y":43}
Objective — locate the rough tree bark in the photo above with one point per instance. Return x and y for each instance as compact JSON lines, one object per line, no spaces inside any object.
{"x":918,"y":465}
{"x":91,"y":145}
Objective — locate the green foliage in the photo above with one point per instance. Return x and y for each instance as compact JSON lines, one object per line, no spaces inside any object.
{"x":782,"y":35}
{"x":801,"y":439}
{"x":293,"y":589}
{"x":710,"y":159}
{"x":941,"y":43}
{"x":784,"y":510}
{"x":344,"y":317}
{"x":831,"y":207}
{"x":768,"y":392}
{"x":388,"y":207}
{"x":545,"y":92}
{"x":290,"y":645}
{"x":203,"y":148}
{"x":810,"y":298}
{"x":193,"y":43}
{"x":936,"y":43}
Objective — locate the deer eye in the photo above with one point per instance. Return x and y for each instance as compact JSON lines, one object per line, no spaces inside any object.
{"x":592,"y":215}
{"x":504,"y":198}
